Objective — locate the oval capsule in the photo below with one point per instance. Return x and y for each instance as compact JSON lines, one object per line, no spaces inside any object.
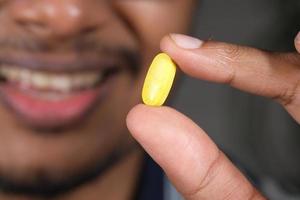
{"x":159,"y":80}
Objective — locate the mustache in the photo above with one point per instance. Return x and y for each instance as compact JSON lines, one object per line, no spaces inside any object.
{"x":78,"y":46}
{"x":33,"y":44}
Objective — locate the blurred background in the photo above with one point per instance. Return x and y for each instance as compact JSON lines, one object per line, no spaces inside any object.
{"x":256,"y":132}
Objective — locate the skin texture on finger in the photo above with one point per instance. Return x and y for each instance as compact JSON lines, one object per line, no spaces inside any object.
{"x":272,"y":75}
{"x":190,"y":159}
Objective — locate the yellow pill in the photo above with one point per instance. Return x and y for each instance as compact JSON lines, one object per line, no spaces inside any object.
{"x":159,"y":80}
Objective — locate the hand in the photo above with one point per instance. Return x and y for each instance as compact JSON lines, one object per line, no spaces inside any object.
{"x":191,"y":160}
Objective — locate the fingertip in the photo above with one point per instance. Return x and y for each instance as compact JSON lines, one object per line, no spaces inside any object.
{"x":142,"y":118}
{"x":143,"y":121}
{"x":180,"y":56}
{"x":194,"y":57}
{"x":133,"y":117}
{"x":167,"y":44}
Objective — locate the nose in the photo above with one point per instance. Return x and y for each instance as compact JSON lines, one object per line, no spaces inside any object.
{"x":57,"y":18}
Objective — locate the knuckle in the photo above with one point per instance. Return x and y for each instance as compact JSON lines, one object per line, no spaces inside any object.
{"x":289,"y":63}
{"x":212,"y":171}
{"x":211,"y":182}
{"x":210,"y":175}
{"x":290,"y":58}
{"x":292,"y":88}
{"x":289,"y":95}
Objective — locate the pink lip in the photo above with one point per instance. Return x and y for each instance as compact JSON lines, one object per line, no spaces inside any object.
{"x":44,"y":113}
{"x":49,"y":113}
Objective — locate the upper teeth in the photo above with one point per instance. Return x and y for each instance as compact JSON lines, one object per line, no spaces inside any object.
{"x":44,"y":80}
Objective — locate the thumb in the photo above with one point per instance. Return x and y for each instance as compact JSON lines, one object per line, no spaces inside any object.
{"x":193,"y":163}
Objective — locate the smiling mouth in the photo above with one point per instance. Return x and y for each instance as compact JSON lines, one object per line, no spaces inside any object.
{"x":62,"y":83}
{"x":56,"y":95}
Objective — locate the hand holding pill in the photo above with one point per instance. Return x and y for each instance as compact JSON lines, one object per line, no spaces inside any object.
{"x":191,"y":160}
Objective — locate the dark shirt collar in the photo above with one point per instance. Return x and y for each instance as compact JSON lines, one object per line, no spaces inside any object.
{"x":151,"y":181}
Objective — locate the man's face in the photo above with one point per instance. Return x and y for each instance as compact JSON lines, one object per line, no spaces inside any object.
{"x":70,"y":72}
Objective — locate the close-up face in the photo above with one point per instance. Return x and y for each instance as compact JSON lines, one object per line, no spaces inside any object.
{"x":70,"y":72}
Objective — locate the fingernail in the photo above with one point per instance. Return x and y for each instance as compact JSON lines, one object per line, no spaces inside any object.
{"x":186,"y":42}
{"x":298,"y":38}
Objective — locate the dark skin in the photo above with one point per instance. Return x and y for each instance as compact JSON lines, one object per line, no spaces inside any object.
{"x":53,"y":28}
